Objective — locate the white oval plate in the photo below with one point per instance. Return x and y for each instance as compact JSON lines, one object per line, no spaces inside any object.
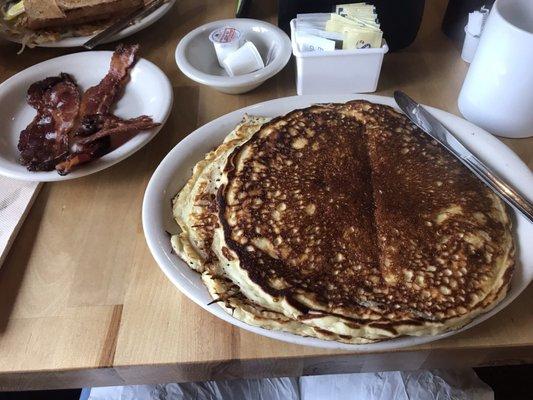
{"x":148,"y":92}
{"x":175,"y":170}
{"x":78,"y":41}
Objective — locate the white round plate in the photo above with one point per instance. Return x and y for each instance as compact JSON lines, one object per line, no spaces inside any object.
{"x":148,"y":92}
{"x":176,"y":167}
{"x":78,"y":41}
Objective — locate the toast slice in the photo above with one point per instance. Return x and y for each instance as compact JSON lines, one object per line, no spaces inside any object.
{"x":54,"y":13}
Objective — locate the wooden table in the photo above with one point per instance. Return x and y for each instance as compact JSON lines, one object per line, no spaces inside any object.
{"x":82,"y":302}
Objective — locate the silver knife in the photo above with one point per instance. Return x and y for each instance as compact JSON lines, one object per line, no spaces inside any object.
{"x":122,"y":23}
{"x":430,"y":125}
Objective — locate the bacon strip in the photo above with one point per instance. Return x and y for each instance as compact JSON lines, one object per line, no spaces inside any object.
{"x":84,"y":149}
{"x":45,"y":140}
{"x":100,"y":98}
{"x":123,"y":126}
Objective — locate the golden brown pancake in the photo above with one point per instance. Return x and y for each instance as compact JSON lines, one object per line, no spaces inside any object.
{"x":444,"y":237}
{"x":344,"y":222}
{"x":195,"y":211}
{"x":307,"y":225}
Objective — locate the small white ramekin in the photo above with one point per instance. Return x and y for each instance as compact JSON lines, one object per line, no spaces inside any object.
{"x":196,"y":57}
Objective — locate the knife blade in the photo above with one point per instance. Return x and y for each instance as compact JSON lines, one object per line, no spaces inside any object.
{"x":122,"y":23}
{"x":432,"y":126}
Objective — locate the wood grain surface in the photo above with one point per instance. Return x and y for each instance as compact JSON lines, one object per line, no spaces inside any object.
{"x":83,"y":303}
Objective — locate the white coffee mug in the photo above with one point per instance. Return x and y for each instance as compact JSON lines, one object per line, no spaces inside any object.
{"x":497,"y":93}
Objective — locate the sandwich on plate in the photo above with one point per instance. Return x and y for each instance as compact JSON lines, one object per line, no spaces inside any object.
{"x":34,"y":22}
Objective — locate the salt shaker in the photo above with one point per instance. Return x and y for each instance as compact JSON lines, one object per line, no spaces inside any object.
{"x":476,"y":21}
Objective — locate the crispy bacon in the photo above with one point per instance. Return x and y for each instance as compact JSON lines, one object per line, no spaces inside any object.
{"x":100,"y":98}
{"x":45,"y":141}
{"x":114,"y":126}
{"x":70,"y":129}
{"x":86,"y":148}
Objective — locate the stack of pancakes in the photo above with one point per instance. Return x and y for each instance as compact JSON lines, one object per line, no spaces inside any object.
{"x":343,"y":222}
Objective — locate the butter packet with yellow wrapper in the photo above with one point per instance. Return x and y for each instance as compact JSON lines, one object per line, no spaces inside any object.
{"x":351,"y":26}
{"x":361,"y":39}
{"x":359,"y":25}
{"x":356,"y":9}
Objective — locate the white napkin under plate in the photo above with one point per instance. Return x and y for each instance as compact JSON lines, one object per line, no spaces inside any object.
{"x":16,"y":198}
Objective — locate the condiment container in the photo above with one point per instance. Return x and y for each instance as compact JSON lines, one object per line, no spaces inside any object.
{"x":243,"y":61}
{"x":226,"y":40}
{"x":473,"y":29}
{"x":337,"y":71}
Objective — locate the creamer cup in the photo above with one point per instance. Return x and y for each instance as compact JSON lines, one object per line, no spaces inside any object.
{"x":226,"y":40}
{"x":243,"y":61}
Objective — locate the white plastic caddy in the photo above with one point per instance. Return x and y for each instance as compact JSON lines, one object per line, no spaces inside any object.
{"x":339,"y":71}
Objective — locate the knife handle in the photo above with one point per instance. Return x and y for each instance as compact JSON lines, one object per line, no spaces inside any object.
{"x":500,"y":187}
{"x":121,"y":24}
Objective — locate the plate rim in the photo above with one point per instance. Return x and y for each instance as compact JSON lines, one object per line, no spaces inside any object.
{"x":157,"y":186}
{"x":53,"y":176}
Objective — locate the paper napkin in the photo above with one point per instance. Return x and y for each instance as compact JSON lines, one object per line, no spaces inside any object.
{"x":16,"y":198}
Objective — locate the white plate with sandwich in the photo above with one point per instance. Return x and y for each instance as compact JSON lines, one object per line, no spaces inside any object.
{"x":70,"y":23}
{"x":61,"y":123}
